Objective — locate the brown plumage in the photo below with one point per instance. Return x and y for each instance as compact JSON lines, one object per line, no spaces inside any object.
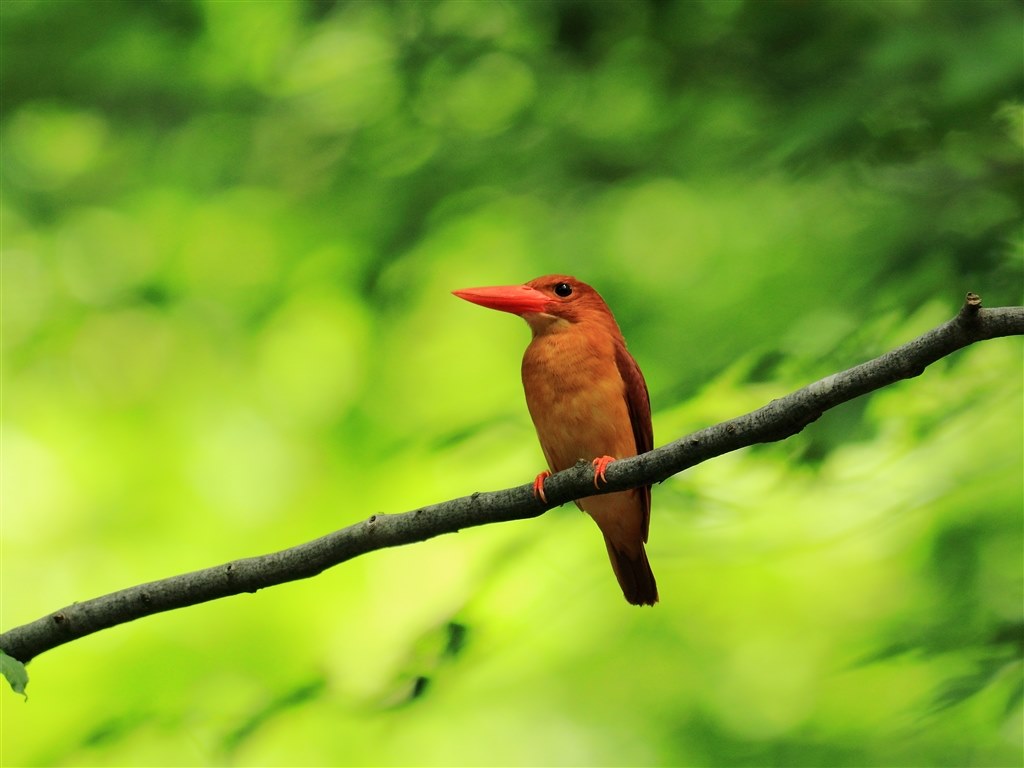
{"x":588,"y":400}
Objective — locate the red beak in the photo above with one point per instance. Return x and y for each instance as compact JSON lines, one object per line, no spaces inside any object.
{"x":517,"y":299}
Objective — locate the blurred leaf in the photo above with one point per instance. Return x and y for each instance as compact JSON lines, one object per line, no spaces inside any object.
{"x":15,"y":672}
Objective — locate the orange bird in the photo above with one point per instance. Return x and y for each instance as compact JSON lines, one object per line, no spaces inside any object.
{"x":588,"y":399}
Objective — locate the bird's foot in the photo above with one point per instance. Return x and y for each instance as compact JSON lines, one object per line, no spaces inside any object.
{"x":538,"y":486}
{"x":600,"y":465}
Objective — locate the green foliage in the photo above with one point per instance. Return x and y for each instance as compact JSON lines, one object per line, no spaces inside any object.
{"x":15,"y":673}
{"x":229,"y":232}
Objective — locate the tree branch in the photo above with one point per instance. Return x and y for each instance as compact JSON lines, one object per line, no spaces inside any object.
{"x":778,"y":420}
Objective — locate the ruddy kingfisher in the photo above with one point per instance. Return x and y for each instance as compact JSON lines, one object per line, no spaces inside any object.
{"x":588,"y":400}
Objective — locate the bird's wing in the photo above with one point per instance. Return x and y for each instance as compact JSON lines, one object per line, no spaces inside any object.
{"x":638,"y":402}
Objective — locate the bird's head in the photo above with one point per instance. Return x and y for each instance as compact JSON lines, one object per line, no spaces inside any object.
{"x":547,"y":303}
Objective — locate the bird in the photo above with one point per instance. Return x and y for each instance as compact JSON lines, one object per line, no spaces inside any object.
{"x":588,"y":400}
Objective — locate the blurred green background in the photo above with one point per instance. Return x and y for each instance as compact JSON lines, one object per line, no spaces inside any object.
{"x":229,"y":233}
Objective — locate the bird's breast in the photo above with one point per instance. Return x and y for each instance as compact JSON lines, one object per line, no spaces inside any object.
{"x":576,"y":398}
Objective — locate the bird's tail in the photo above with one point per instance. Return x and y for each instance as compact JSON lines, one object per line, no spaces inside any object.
{"x":634,"y":574}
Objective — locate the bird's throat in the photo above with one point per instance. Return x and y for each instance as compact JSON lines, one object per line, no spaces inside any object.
{"x":542,"y":323}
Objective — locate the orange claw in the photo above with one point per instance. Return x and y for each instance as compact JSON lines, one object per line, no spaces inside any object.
{"x":600,"y":465}
{"x":538,"y":485}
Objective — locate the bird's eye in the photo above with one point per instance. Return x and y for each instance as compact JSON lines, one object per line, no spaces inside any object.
{"x":563,"y":290}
